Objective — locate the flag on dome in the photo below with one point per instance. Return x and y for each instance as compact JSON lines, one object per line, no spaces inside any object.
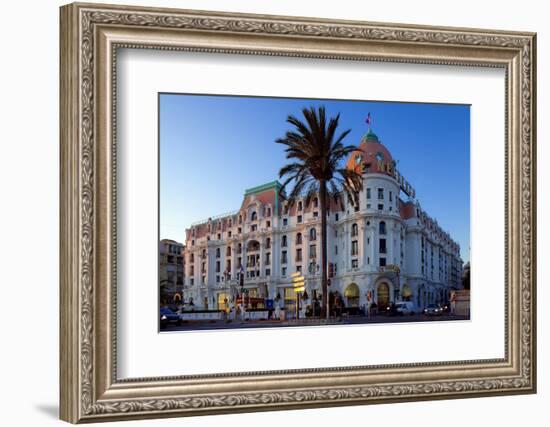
{"x":368,"y":120}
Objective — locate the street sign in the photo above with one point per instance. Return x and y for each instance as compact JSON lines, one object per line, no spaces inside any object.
{"x":298,"y":281}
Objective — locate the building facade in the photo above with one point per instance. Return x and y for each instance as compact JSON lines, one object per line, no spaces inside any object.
{"x":171,"y":271}
{"x":383,"y":250}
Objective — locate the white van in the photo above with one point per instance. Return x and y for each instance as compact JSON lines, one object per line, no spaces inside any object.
{"x":404,"y":307}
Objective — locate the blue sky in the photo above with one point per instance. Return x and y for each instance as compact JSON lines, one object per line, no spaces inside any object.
{"x":212,"y":148}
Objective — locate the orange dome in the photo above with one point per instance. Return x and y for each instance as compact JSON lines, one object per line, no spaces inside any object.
{"x":371,"y":157}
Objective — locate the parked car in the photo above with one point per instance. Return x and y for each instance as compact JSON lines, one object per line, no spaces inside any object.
{"x":168,"y":317}
{"x":433,"y":310}
{"x":404,"y":307}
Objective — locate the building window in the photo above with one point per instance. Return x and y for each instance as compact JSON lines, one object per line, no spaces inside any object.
{"x":239,"y":230}
{"x":354,"y":230}
{"x":299,"y":219}
{"x":299,"y":206}
{"x":313,"y":234}
{"x":228,"y":251}
{"x":298,"y":254}
{"x":285,"y":222}
{"x":267,"y":258}
{"x":217,"y":279}
{"x":391,"y":196}
{"x":382,"y":246}
{"x":239,"y":248}
{"x":268,"y":272}
{"x":217,"y":252}
{"x":268,"y":212}
{"x":268,"y":242}
{"x":316,"y":202}
{"x":192,"y":281}
{"x":312,"y":251}
{"x":380,"y":207}
{"x":380,"y":194}
{"x":203,"y":280}
{"x":382,"y":227}
{"x":354,"y":248}
{"x":336,"y":250}
{"x":219,"y":236}
{"x":283,"y":257}
{"x":283,"y":271}
{"x":283,"y":241}
{"x":336,"y":217}
{"x":368,"y":193}
{"x":315,"y":214}
{"x":240,"y":219}
{"x":192,"y":270}
{"x":229,"y":233}
{"x":217,"y":266}
{"x":268,"y":224}
{"x":254,"y":227}
{"x":299,"y":268}
{"x":382,"y":262}
{"x":354,"y":263}
{"x":299,"y":238}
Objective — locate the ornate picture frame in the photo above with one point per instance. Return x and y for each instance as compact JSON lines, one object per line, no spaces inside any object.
{"x":90,"y":37}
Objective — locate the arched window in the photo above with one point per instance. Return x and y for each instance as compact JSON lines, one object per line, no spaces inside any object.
{"x":354,"y":230}
{"x":254,"y":216}
{"x":299,"y":238}
{"x":299,"y":206}
{"x":382,"y":227}
{"x":312,"y":234}
{"x":228,"y":251}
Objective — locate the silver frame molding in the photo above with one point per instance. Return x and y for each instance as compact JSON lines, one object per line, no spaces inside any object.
{"x":90,"y":37}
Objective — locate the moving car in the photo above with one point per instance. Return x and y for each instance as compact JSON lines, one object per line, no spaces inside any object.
{"x":404,"y":307}
{"x":168,"y":317}
{"x":433,"y":310}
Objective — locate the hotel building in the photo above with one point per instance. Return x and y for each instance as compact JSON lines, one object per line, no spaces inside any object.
{"x":384,"y":250}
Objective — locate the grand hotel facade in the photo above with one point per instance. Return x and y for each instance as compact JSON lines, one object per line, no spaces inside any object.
{"x":384,"y":250}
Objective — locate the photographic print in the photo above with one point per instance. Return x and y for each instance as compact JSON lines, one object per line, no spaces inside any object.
{"x":279,"y":212}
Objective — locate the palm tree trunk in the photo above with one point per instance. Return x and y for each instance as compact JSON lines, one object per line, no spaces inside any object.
{"x":324,"y":281}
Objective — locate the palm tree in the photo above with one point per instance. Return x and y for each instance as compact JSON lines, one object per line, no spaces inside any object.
{"x":316,"y":154}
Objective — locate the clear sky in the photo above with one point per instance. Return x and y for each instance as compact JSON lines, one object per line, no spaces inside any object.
{"x":212,"y":148}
